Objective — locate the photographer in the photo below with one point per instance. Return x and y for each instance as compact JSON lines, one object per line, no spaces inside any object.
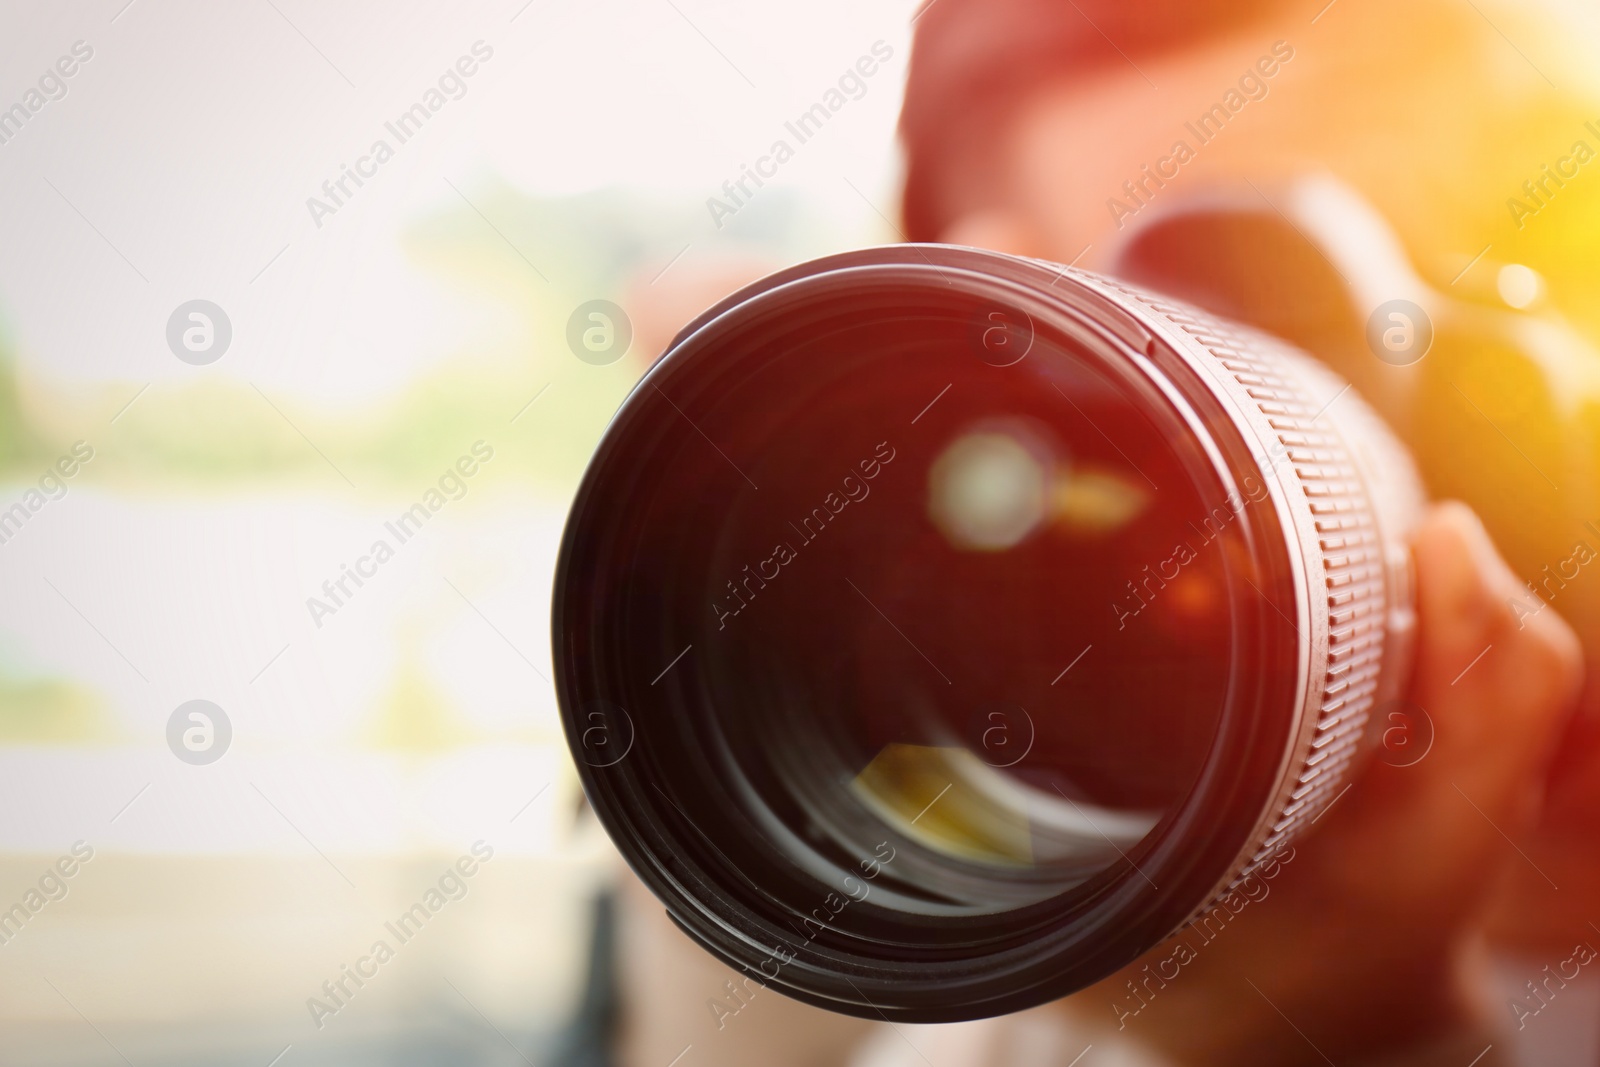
{"x":1051,"y":130}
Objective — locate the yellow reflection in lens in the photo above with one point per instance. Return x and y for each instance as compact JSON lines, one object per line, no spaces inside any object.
{"x":1096,"y":501}
{"x":928,"y":793}
{"x":991,"y":489}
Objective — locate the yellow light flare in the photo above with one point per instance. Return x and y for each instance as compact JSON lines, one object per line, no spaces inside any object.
{"x":927,"y":793}
{"x":1093,"y":500}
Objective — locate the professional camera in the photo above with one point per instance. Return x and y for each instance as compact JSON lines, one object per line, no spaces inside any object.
{"x":938,"y":630}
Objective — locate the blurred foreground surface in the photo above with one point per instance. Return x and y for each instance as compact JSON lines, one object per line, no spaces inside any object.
{"x":397,"y":371}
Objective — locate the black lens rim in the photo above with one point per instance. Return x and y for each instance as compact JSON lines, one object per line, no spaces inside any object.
{"x":750,"y":926}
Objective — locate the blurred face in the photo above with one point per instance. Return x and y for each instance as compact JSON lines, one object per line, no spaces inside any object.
{"x":1058,"y":191}
{"x":1263,"y":103}
{"x":1435,"y":141}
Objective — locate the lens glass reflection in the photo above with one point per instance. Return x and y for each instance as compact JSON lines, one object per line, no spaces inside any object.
{"x":973,"y":606}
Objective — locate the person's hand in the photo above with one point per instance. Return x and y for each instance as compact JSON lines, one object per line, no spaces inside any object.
{"x":1364,"y":943}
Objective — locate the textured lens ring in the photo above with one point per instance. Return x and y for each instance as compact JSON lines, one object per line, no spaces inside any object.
{"x":1351,"y":516}
{"x":708,"y":905}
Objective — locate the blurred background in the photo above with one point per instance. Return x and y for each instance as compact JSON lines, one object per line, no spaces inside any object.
{"x":375,"y":340}
{"x":191,"y":509}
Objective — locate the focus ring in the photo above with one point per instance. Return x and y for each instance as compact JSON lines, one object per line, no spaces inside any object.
{"x":1331,"y":501}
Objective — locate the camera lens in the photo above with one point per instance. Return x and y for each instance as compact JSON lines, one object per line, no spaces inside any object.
{"x":937,"y":631}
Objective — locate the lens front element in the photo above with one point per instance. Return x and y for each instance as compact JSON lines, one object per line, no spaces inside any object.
{"x":955,"y":628}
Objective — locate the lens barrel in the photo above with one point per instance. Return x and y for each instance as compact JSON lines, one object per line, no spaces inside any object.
{"x":936,"y":631}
